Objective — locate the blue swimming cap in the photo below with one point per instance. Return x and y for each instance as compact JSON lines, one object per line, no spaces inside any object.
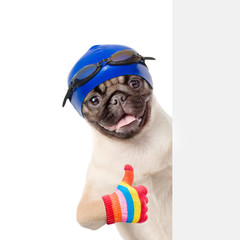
{"x":94,"y":55}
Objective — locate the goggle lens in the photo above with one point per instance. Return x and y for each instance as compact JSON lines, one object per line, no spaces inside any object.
{"x":121,"y":56}
{"x":86,"y":71}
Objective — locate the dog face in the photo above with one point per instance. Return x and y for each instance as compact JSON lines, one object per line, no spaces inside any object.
{"x":119,"y":107}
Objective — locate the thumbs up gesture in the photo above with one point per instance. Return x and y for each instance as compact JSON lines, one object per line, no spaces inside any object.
{"x":127,"y":203}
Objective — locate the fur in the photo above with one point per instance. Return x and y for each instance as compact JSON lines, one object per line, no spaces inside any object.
{"x":150,"y":154}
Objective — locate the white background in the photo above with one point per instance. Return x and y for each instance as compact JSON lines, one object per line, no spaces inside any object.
{"x":45,"y":150}
{"x":206,"y":77}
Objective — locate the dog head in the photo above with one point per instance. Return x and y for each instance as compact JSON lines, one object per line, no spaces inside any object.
{"x":119,"y":107}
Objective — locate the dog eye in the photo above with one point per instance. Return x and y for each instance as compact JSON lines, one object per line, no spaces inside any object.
{"x":95,"y":100}
{"x":135,"y":83}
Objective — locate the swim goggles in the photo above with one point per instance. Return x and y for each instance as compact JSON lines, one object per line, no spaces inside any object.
{"x":86,"y":73}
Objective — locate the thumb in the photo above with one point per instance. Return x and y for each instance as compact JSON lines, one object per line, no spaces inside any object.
{"x":129,"y":175}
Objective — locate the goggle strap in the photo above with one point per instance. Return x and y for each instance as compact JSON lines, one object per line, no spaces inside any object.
{"x":68,"y":95}
{"x":149,"y":58}
{"x":66,"y":98}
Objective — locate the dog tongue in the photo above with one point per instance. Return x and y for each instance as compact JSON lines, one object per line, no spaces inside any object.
{"x":125,"y":121}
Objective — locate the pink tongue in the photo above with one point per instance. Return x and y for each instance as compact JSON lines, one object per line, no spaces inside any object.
{"x":125,"y":121}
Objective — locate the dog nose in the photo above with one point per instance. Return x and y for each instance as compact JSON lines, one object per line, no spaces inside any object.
{"x":118,"y":98}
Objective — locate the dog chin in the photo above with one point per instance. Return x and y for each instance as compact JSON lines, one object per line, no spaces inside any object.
{"x":127,"y":127}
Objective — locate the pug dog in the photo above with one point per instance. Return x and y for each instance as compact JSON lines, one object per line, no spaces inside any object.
{"x":129,"y":127}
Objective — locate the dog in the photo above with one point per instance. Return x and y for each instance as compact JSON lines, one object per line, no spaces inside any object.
{"x":129,"y":127}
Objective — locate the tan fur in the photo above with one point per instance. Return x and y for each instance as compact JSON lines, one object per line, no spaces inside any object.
{"x":102,"y":87}
{"x":108,"y":83}
{"x":114,"y":80}
{"x":121,"y":79}
{"x":149,"y":153}
{"x":91,"y":212}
